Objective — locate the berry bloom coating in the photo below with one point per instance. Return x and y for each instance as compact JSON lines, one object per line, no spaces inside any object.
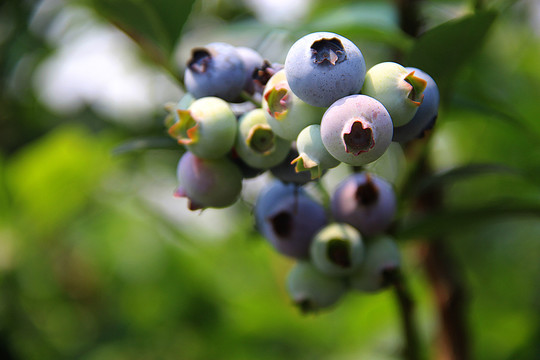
{"x":323,"y":67}
{"x":289,"y":219}
{"x":216,"y":69}
{"x":356,"y":129}
{"x":337,"y":249}
{"x":382,"y":257}
{"x":425,"y":116}
{"x":257,"y":144}
{"x":252,"y":61}
{"x":364,"y":201}
{"x":399,"y":90}
{"x":312,"y":290}
{"x":313,"y":156}
{"x":286,"y":172}
{"x":208,"y":183}
{"x":207,"y":128}
{"x":287,"y":115}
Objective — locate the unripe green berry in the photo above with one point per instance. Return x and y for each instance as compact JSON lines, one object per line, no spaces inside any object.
{"x":207,"y":128}
{"x":382,"y":255}
{"x":256,"y":143}
{"x":337,"y":249}
{"x":312,"y":290}
{"x":399,"y":90}
{"x":313,"y":156}
{"x":285,"y":112}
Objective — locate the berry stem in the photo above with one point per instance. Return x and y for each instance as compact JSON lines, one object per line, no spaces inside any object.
{"x":450,"y":296}
{"x":245,"y":96}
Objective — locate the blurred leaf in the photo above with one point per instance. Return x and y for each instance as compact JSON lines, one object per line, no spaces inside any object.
{"x":146,"y":144}
{"x":496,"y":110}
{"x":376,"y":22}
{"x":460,"y":173}
{"x":450,"y":221}
{"x":50,"y":179}
{"x":4,"y":200}
{"x":444,"y":49}
{"x":154,"y":25}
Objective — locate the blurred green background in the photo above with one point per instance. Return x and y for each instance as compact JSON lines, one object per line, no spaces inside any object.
{"x":98,"y":261}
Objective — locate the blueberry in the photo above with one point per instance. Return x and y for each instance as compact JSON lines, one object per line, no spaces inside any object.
{"x":356,"y":129}
{"x":252,"y":61}
{"x":364,"y":201}
{"x":425,"y":116}
{"x":206,"y":183}
{"x":286,"y":172}
{"x":216,"y":69}
{"x":313,"y":156}
{"x":285,"y":112}
{"x":312,"y":290}
{"x":207,"y":128}
{"x":257,"y":144}
{"x":381,"y":257}
{"x":399,"y":90}
{"x":323,"y":67}
{"x":262,"y":74}
{"x":288,"y":218}
{"x":337,"y":249}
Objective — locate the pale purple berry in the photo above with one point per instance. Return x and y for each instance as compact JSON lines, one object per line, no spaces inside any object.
{"x":365,"y":201}
{"x":356,"y":129}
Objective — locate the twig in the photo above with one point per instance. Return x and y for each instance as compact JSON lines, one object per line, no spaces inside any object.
{"x":406,"y":306}
{"x":451,"y":302}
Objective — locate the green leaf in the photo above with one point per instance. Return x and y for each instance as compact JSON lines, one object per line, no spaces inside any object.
{"x":154,"y":25}
{"x":444,"y":49}
{"x":376,"y":22}
{"x":450,"y":221}
{"x":460,"y":173}
{"x":50,"y":179}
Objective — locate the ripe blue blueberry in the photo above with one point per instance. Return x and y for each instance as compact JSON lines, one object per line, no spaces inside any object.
{"x":356,"y":129}
{"x":364,"y":201}
{"x":288,"y":218}
{"x":207,"y":128}
{"x":425,"y":116}
{"x":206,"y":183}
{"x":252,"y":61}
{"x":399,"y":90}
{"x":312,"y":290}
{"x":216,"y":69}
{"x":323,"y":67}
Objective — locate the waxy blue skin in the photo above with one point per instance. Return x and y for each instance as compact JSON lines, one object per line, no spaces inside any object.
{"x":252,"y":60}
{"x":320,"y":83}
{"x":370,"y":215}
{"x":288,"y":219}
{"x":220,"y":74}
{"x":425,"y":116}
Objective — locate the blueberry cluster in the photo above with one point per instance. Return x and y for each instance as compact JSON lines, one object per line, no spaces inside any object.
{"x":244,"y":116}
